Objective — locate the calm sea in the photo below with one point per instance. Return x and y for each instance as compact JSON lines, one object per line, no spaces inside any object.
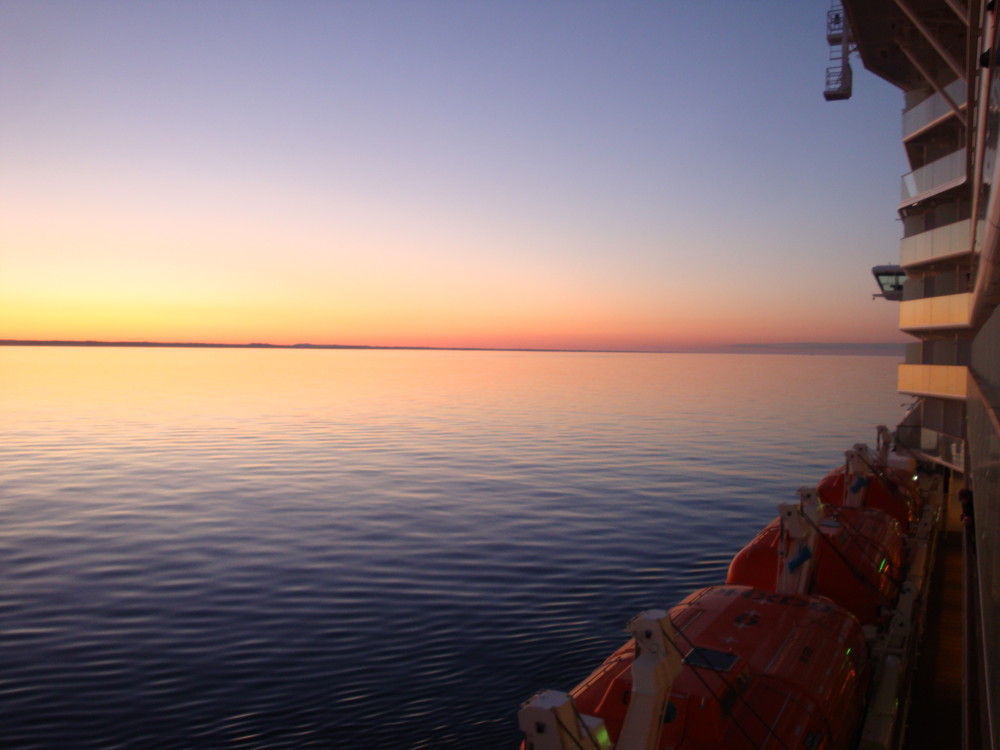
{"x":387,"y":549}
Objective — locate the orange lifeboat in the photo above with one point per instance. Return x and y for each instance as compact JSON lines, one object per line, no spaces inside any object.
{"x":890,"y":491}
{"x":777,"y":657}
{"x":871,"y":481}
{"x":755,"y":669}
{"x":852,"y":556}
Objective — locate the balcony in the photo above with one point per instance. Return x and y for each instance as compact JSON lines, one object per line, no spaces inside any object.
{"x":931,"y":428}
{"x":936,"y":313}
{"x":943,"y":243}
{"x":933,"y":110}
{"x":933,"y":446}
{"x":941,"y":381}
{"x":938,"y":283}
{"x":940,"y":175}
{"x":938,"y":351}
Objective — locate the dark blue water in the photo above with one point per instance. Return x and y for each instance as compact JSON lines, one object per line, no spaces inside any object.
{"x":281,"y":549}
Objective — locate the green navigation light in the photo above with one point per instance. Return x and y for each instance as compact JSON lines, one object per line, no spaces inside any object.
{"x":602,"y":738}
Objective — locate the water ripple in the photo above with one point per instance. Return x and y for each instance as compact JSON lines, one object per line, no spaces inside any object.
{"x":272,"y":549}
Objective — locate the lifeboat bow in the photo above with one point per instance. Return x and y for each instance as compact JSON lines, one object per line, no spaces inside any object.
{"x":550,"y":720}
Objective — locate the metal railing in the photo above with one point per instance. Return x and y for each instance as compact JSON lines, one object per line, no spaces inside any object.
{"x":951,"y":351}
{"x":936,"y":285}
{"x":948,"y":241}
{"x":933,"y":109}
{"x":944,"y":173}
{"x":935,"y":446}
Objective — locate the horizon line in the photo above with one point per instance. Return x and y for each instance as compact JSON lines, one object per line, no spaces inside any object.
{"x":735,"y":348}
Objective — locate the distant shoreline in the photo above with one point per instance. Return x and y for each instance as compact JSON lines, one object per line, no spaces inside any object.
{"x":847,"y":349}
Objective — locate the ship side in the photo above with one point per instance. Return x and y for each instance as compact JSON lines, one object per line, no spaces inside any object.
{"x":944,"y":56}
{"x":833,"y":623}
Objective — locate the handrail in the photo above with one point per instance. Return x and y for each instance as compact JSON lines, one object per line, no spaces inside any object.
{"x":976,"y":390}
{"x":934,"y":177}
{"x":934,"y":109}
{"x":988,"y":264}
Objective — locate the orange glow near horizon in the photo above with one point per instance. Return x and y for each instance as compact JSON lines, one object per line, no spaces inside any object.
{"x":293,"y":185}
{"x":127,"y":284}
{"x":133,"y":276}
{"x":408,"y":319}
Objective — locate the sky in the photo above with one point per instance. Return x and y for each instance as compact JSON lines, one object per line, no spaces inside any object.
{"x":574,"y":174}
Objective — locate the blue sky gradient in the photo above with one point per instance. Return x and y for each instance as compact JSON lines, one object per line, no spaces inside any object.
{"x":580,"y":174}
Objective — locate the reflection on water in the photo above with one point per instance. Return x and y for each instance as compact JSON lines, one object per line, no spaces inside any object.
{"x":284,"y":548}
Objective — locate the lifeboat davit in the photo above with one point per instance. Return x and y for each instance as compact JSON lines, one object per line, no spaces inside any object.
{"x":777,"y":657}
{"x":868,"y":480}
{"x":753,"y":669}
{"x":853,"y":556}
{"x":892,"y":492}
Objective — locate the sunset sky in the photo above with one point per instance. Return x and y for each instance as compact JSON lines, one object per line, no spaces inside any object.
{"x":557,"y":174}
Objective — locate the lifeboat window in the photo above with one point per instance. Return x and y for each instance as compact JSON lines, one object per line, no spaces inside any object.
{"x":709,"y":658}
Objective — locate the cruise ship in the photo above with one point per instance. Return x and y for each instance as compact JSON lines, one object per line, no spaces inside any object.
{"x":944,"y":56}
{"x":867,"y":616}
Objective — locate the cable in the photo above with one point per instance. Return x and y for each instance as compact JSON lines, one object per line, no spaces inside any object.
{"x":890,"y":483}
{"x":880,"y":549}
{"x":579,"y":718}
{"x":569,"y":734}
{"x":850,"y":566}
{"x":737,"y":693}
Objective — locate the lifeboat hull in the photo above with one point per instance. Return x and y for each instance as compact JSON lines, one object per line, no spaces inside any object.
{"x":857,"y":561}
{"x":890,"y":490}
{"x":761,"y":670}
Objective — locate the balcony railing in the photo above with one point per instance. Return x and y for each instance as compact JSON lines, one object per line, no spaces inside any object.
{"x":949,"y":241}
{"x":936,"y":177}
{"x":938,"y":284}
{"x":949,"y":311}
{"x":933,"y":109}
{"x":935,"y":446}
{"x":937,"y":351}
{"x":941,"y":381}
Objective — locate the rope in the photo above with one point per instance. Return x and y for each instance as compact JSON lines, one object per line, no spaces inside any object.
{"x":854,"y":535}
{"x":570,"y":734}
{"x":737,"y":693}
{"x":850,"y":567}
{"x":563,"y":727}
{"x":892,"y":484}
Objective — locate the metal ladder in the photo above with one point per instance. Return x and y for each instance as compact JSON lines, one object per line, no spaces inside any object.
{"x":838,"y":36}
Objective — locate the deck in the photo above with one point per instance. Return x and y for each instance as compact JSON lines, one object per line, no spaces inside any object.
{"x":935,"y":717}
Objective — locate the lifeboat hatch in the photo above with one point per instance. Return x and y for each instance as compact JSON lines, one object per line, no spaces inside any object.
{"x":890,"y":280}
{"x":709,"y":658}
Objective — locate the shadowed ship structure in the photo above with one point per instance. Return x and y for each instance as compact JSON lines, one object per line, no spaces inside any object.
{"x":943,"y":56}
